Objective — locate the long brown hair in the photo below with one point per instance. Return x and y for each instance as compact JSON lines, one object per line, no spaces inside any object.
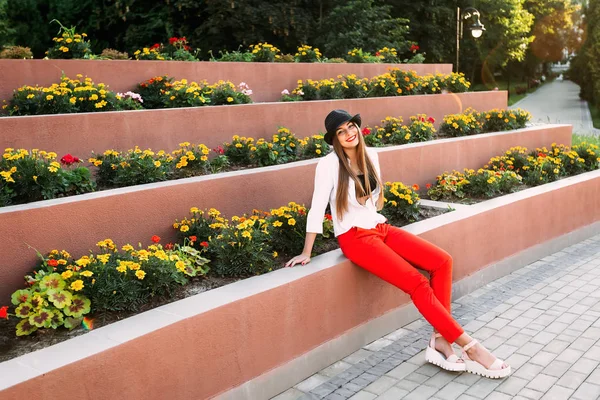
{"x":345,"y":172}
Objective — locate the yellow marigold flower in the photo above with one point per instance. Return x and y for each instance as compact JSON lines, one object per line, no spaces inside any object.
{"x":277,"y":224}
{"x":77,"y":285}
{"x":184,"y":228}
{"x":157,"y":164}
{"x":291,"y":221}
{"x":229,"y":99}
{"x":67,"y":274}
{"x":87,"y":273}
{"x":49,"y":97}
{"x":140,"y":274}
{"x":122,"y":267}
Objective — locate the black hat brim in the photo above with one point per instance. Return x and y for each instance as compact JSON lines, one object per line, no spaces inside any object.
{"x":329,"y":135}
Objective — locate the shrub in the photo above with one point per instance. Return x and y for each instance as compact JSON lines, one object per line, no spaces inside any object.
{"x":388,"y":55}
{"x":53,"y":300}
{"x":242,"y":247}
{"x":455,"y":83}
{"x":16,"y":52}
{"x":238,"y":151}
{"x":136,"y":167}
{"x":467,"y":123}
{"x":306,"y":53}
{"x":448,"y":186}
{"x":37,"y":175}
{"x":68,"y":96}
{"x":129,"y":101}
{"x":264,"y":52}
{"x":112,"y":54}
{"x":421,"y":128}
{"x":282,"y":149}
{"x":499,"y":120}
{"x":353,"y":87}
{"x":199,"y":228}
{"x":407,"y":81}
{"x":489,"y":183}
{"x":153,"y":91}
{"x":191,"y":160}
{"x":384,"y":85}
{"x":401,"y":202}
{"x":589,"y":153}
{"x":178,"y":50}
{"x":150,"y":53}
{"x":287,"y":228}
{"x":234,"y":56}
{"x":69,"y":44}
{"x":314,"y":146}
{"x":335,"y":60}
{"x":358,"y":56}
{"x":285,"y":58}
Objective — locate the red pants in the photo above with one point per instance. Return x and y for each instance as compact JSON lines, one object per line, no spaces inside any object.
{"x":392,"y":254}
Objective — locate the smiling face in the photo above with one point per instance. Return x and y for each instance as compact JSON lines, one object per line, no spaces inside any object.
{"x":348,"y":135}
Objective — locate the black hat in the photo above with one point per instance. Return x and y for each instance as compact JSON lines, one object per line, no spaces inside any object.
{"x":334,"y":119}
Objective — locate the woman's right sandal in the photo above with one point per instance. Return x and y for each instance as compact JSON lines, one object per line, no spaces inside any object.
{"x":495,"y":371}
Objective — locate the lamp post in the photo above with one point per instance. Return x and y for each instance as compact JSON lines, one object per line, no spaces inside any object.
{"x":476,"y":28}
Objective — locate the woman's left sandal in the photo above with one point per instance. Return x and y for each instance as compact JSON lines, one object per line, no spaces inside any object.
{"x":452,"y":363}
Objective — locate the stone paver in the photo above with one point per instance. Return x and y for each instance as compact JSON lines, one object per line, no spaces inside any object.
{"x":558,"y":102}
{"x":552,"y":342}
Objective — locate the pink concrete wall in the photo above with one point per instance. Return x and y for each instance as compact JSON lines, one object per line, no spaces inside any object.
{"x":267,"y":80}
{"x":241,"y":340}
{"x":80,"y":134}
{"x":135,"y":214}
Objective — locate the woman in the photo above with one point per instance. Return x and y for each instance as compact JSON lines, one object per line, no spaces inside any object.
{"x":349,"y":179}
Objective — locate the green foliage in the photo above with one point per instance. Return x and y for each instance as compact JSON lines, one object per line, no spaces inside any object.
{"x":69,"y":44}
{"x":16,"y":52}
{"x":401,"y":202}
{"x":32,"y":176}
{"x":362,"y":24}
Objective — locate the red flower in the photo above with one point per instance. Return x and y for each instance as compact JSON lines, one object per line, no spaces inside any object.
{"x":414,"y":48}
{"x":53,"y":263}
{"x":366,"y":131}
{"x":415,"y":187}
{"x":4,"y":312}
{"x":219,"y":150}
{"x":155,"y":46}
{"x":328,"y":216}
{"x":378,"y":54}
{"x":193,"y":238}
{"x":156,"y":239}
{"x":541,"y":155}
{"x":169,"y":246}
{"x":69,"y":159}
{"x":431,"y":119}
{"x":173,"y":40}
{"x":301,"y":212}
{"x":204,"y":244}
{"x":186,"y":47}
{"x":428,"y":186}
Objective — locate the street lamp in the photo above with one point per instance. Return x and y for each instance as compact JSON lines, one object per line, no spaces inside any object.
{"x":476,"y":28}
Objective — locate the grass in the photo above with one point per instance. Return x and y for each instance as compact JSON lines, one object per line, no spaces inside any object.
{"x":577,"y":139}
{"x":595,"y":110}
{"x":513,"y":97}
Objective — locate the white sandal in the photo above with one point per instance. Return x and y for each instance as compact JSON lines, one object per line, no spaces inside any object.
{"x":495,"y":371}
{"x":451,"y":363}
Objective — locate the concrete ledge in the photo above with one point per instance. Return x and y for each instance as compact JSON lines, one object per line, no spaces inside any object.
{"x":80,"y":134}
{"x":244,"y":330}
{"x":37,"y":224}
{"x":267,"y":80}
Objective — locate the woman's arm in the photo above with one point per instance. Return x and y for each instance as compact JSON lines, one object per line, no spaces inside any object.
{"x":375,"y":160}
{"x":320,"y":199}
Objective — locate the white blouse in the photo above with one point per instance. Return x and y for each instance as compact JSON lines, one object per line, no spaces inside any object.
{"x":326,"y":183}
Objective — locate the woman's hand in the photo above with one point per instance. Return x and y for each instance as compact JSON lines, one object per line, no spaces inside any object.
{"x":301,"y":259}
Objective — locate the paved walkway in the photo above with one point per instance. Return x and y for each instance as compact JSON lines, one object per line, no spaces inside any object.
{"x":543,"y":319}
{"x":559,"y":102}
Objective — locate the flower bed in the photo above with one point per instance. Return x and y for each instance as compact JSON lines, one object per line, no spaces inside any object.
{"x":515,"y":170}
{"x":266,"y":79}
{"x":117,"y":213}
{"x":82,"y":134}
{"x":296,"y":320}
{"x":20,"y":182}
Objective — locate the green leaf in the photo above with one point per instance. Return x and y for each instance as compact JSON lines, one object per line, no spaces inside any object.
{"x":20,"y":296}
{"x":60,"y":298}
{"x":24,"y":310}
{"x":71,"y":322}
{"x":25,"y":328}
{"x":57,"y":319}
{"x":52,"y":281}
{"x":80,"y":305}
{"x":43,"y":319}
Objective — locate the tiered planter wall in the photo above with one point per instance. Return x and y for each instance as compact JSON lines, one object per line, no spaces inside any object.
{"x":134,"y":214}
{"x":80,"y":134}
{"x":266,"y":80}
{"x":223,"y":338}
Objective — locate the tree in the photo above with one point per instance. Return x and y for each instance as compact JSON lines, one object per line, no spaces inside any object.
{"x":361,"y":24}
{"x":6,"y":32}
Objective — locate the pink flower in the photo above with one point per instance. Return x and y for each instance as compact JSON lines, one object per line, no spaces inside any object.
{"x":285,"y":92}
